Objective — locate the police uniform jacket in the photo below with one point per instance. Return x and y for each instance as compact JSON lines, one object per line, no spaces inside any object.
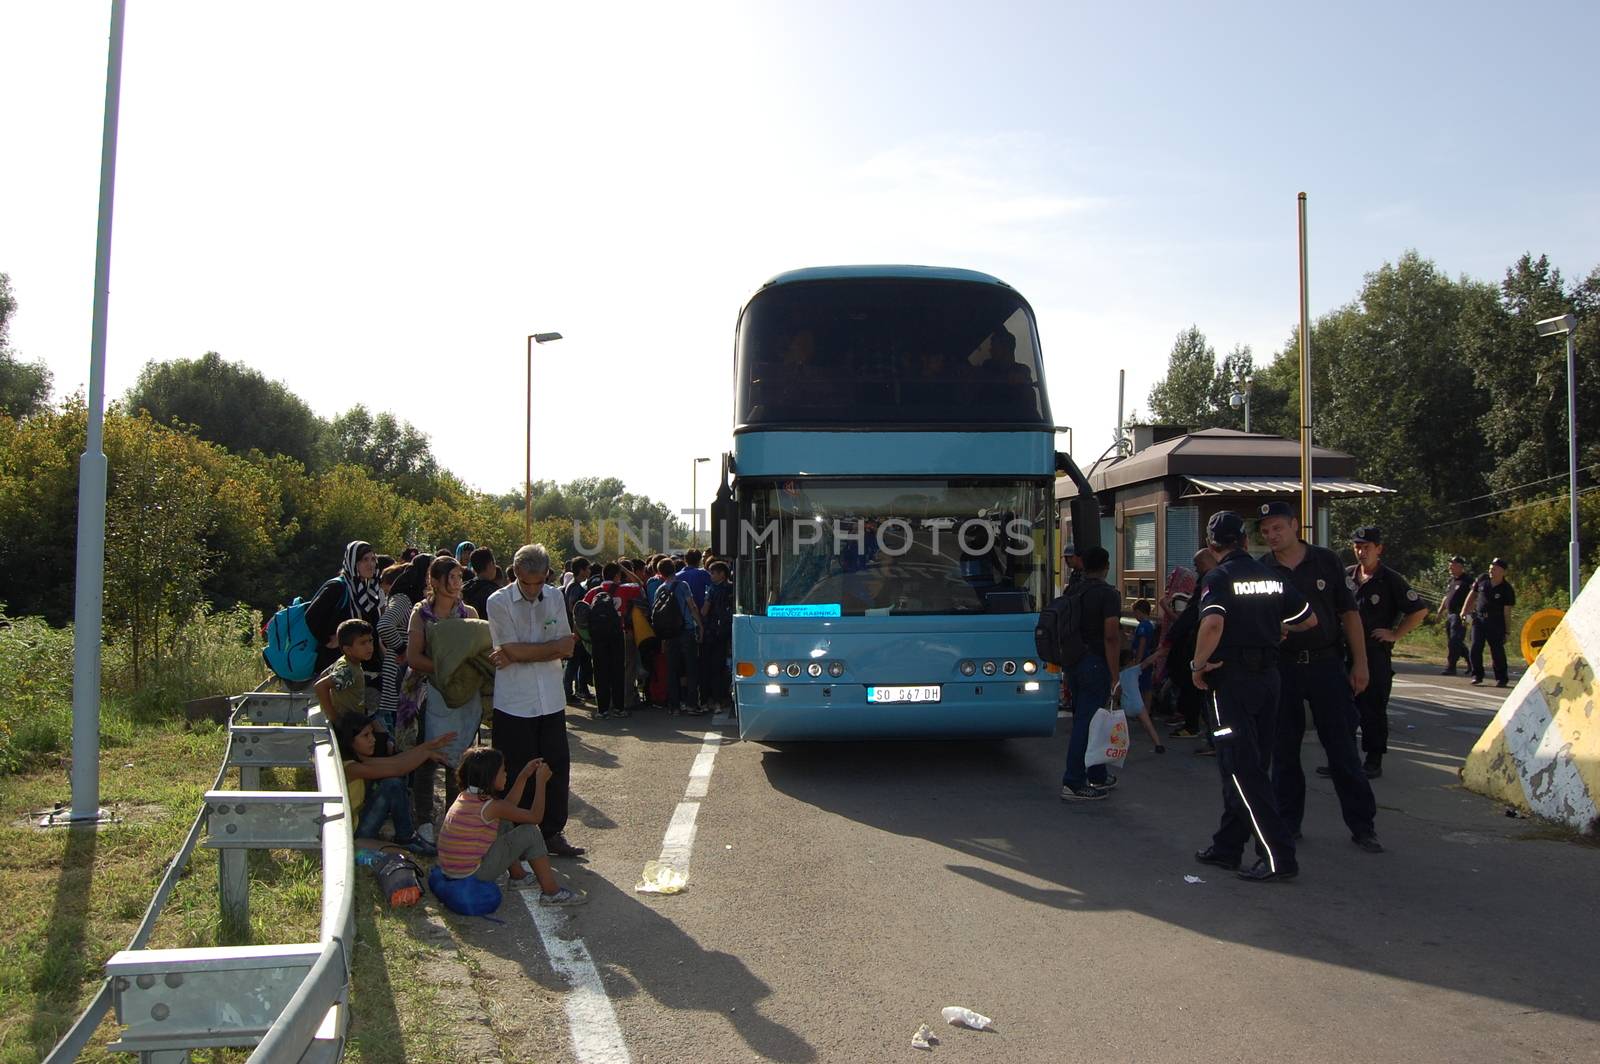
{"x":1488,"y":606}
{"x":1455,"y":593}
{"x":1384,"y":600}
{"x":1321,"y":579}
{"x":1254,"y":603}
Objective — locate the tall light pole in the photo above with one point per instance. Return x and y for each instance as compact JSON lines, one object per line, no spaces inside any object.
{"x":89,"y":586}
{"x":694,"y":500}
{"x":1241,"y":396}
{"x":1564,"y":326}
{"x":527,"y":469}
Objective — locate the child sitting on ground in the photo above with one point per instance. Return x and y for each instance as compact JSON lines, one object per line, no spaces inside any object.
{"x":484,"y":835}
{"x":342,"y":688}
{"x":359,"y":740}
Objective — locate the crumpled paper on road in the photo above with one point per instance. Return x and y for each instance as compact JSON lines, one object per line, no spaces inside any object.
{"x":659,"y":878}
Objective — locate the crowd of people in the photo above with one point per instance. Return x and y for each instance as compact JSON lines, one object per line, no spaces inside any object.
{"x":417,"y":653}
{"x":1306,"y":633}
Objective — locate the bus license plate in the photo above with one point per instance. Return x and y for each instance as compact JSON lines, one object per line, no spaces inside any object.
{"x":903,"y":694}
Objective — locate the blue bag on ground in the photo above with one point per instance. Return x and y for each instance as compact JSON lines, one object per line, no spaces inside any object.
{"x":469,"y":897}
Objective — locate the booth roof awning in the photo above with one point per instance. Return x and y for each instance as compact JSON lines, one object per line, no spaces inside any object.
{"x":1329,"y":485}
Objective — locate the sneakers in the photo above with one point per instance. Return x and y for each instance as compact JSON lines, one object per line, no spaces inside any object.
{"x":1477,"y":681}
{"x":558,"y":846}
{"x":1183,"y":733}
{"x":419,"y":846}
{"x":1109,"y":784}
{"x":1324,"y":771}
{"x":1160,"y":749}
{"x":425,"y":833}
{"x":564,"y":896}
{"x":1081,"y":794}
{"x":527,"y":881}
{"x":1368,"y":842}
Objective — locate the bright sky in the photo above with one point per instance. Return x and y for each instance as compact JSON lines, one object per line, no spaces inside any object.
{"x":378,"y":202}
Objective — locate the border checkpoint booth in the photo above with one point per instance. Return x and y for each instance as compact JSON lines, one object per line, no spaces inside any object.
{"x":1155,"y":500}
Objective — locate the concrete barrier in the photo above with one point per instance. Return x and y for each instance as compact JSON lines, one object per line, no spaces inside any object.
{"x":1541,"y":753}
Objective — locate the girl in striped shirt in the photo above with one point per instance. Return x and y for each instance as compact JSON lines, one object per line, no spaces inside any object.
{"x":483,"y":835}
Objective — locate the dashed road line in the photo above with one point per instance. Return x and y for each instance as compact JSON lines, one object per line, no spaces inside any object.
{"x":677,"y":845}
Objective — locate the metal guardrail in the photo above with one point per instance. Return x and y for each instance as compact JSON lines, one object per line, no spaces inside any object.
{"x":289,"y":1001}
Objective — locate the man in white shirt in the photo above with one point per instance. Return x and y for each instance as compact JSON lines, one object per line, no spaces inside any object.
{"x":529,"y":625}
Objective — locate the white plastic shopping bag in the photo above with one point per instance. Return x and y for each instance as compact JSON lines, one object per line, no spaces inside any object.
{"x":1108,"y":738}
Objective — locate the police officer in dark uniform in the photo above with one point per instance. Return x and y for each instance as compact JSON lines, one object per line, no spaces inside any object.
{"x":1244,"y":607}
{"x":1311,"y":668}
{"x":1490,"y":605}
{"x":1389,"y":609}
{"x":1453,"y":608}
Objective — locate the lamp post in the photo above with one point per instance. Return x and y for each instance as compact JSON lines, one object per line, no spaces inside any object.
{"x":694,"y":500}
{"x":1241,"y":396}
{"x":1564,"y":326}
{"x":527,"y":470}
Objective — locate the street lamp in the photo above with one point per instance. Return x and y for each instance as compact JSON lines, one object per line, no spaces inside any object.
{"x":694,"y":499}
{"x":1241,"y":397}
{"x":527,"y":470}
{"x":1564,"y":326}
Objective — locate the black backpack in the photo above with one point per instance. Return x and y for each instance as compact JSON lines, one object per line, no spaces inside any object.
{"x":605,"y":623}
{"x":1058,"y":637}
{"x":665,"y":615}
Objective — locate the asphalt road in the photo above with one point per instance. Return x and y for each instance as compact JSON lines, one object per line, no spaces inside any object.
{"x":839,"y":895}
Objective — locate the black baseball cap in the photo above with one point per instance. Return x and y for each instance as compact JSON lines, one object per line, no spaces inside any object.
{"x":1368,"y":534}
{"x":1501,"y":562}
{"x":1459,"y":560}
{"x":1225,"y":526}
{"x":1277,"y":508}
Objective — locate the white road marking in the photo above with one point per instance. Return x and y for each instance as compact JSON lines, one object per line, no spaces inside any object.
{"x":677,"y":845}
{"x":1412,"y":707}
{"x":596,"y":1034}
{"x":1481,"y":696}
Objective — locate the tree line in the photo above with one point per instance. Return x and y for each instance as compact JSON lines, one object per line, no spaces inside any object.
{"x":1442,"y":389}
{"x":225,"y":489}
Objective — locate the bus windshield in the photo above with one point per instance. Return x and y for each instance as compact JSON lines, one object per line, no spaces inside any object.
{"x":924,"y":546}
{"x":889,"y":352}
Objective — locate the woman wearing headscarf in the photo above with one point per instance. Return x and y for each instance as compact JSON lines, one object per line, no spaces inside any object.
{"x":353,"y":593}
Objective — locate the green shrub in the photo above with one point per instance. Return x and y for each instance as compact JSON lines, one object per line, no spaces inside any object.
{"x":211,"y":654}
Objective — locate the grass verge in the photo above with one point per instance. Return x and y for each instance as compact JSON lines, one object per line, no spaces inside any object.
{"x":70,"y":899}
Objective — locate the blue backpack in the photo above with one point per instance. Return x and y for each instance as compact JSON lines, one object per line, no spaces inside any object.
{"x":291,"y":650}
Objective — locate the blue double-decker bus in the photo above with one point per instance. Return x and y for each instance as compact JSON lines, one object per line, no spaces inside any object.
{"x":889,"y":501}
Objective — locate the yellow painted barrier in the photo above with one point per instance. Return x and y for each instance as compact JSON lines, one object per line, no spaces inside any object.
{"x":1541,"y":753}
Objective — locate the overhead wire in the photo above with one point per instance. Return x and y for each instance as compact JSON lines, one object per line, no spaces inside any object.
{"x":1509,"y":509}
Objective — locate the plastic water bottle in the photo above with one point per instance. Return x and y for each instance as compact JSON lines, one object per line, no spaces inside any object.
{"x":367,"y":857}
{"x":958,"y":1016}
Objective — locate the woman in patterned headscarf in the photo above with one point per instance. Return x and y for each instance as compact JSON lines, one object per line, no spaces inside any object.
{"x":353,"y":593}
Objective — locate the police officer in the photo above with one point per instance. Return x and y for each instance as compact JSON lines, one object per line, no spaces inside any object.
{"x":1244,"y":607}
{"x":1389,"y":609}
{"x":1490,"y":604}
{"x":1453,"y":611}
{"x":1311,"y":668}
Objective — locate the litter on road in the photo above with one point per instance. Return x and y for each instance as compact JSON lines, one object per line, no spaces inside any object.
{"x":660,"y":878}
{"x":958,"y":1016}
{"x":1193,"y":879}
{"x":924,"y":1038}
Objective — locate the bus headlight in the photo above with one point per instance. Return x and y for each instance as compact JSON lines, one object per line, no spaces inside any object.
{"x":836,"y":668}
{"x":772,"y":668}
{"x":988,"y":668}
{"x":815,"y":668}
{"x":1009,"y":668}
{"x":1030,"y":667}
{"x":969,"y":668}
{"x":793,"y":669}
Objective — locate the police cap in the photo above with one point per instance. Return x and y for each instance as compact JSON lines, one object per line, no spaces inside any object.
{"x":1501,"y":562}
{"x":1224,"y":527}
{"x":1276,"y":508}
{"x":1459,"y":560}
{"x":1368,"y":534}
